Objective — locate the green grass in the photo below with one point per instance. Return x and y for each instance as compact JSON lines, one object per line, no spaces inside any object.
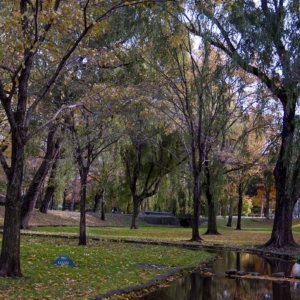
{"x":254,"y":232}
{"x":100,"y":267}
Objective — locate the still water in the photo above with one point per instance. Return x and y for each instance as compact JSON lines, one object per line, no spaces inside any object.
{"x":194,"y":286}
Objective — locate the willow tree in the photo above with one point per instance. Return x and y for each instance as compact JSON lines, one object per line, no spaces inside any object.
{"x":150,"y":152}
{"x":262,"y":37}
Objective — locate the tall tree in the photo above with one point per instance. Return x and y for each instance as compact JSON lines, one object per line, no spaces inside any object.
{"x":32,"y":37}
{"x":183,"y":85}
{"x":148,"y":156}
{"x":262,"y":38}
{"x":91,"y":137}
{"x":197,"y":95}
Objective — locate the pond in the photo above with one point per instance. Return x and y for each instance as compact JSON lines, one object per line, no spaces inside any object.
{"x":196,"y":286}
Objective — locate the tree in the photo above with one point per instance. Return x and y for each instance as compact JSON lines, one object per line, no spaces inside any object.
{"x":150,"y":153}
{"x":52,"y":152}
{"x":91,"y":136}
{"x":36,"y":31}
{"x":104,"y":177}
{"x":262,"y":39}
{"x":200,"y":97}
{"x":183,"y":85}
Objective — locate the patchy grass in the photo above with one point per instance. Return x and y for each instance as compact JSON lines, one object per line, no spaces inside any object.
{"x":100,"y":267}
{"x":254,"y":232}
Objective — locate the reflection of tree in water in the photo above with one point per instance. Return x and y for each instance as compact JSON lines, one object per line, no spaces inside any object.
{"x":206,"y":287}
{"x":197,"y":287}
{"x":278,"y":265}
{"x":250,"y":289}
{"x":281,"y":290}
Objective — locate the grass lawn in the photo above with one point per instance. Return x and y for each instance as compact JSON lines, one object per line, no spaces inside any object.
{"x":255,"y":231}
{"x":102,"y":265}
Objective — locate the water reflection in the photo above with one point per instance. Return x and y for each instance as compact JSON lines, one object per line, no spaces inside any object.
{"x":194,"y":286}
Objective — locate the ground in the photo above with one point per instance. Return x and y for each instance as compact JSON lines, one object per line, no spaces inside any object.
{"x":254,"y":229}
{"x":70,"y":218}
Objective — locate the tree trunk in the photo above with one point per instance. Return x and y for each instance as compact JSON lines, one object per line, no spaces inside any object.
{"x":230,"y":213}
{"x":10,"y":252}
{"x":196,"y":210}
{"x":39,"y":178}
{"x":240,"y":208}
{"x":212,"y":212}
{"x":282,"y":227}
{"x":136,"y":211}
{"x":74,"y":190}
{"x":103,"y":210}
{"x":52,"y":203}
{"x":102,"y":207}
{"x":128,"y":208}
{"x":267,"y":204}
{"x":49,"y":191}
{"x":262,"y":207}
{"x":82,"y":227}
{"x":47,"y":199}
{"x":16,"y":114}
{"x":64,"y":205}
{"x":212,"y":218}
{"x":97,"y":201}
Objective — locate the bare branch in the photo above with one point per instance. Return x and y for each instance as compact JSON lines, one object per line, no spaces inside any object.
{"x":7,"y":69}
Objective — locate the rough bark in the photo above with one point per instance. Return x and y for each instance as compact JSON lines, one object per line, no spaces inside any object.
{"x":230,"y":213}
{"x":240,"y":208}
{"x":34,"y":189}
{"x":212,"y":218}
{"x":282,"y":227}
{"x":49,"y":190}
{"x":10,"y":251}
{"x":82,"y":226}
{"x":136,"y":211}
{"x":74,"y":190}
{"x":196,"y":209}
{"x":47,"y":199}
{"x":96,"y":202}
{"x":212,"y":212}
{"x":103,"y":210}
